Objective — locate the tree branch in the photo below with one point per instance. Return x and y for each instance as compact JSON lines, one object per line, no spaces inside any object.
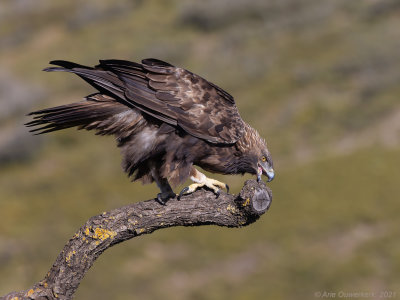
{"x":103,"y":231}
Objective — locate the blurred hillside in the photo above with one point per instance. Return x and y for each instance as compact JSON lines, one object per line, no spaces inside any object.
{"x":318,"y":79}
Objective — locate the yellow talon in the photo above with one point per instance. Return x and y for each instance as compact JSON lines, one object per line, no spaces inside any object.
{"x":200,"y":181}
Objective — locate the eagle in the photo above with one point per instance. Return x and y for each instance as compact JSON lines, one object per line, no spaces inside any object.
{"x":166,"y":120}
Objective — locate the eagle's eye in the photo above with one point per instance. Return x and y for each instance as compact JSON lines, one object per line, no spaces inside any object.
{"x":264,"y":159}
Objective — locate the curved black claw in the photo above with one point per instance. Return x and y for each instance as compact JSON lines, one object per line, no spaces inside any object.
{"x":217,"y":193}
{"x":227,"y":188}
{"x":184,"y":190}
{"x":160,"y":199}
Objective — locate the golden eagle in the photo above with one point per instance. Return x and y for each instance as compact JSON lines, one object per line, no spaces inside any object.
{"x":165,"y":120}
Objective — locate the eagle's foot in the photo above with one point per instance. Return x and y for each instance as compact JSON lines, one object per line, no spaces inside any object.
{"x":163,"y":197}
{"x":210,"y":183}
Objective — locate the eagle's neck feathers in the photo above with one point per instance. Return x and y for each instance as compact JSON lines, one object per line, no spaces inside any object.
{"x":250,"y":141}
{"x":249,"y":149}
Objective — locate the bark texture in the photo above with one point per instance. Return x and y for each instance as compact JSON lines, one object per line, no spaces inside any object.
{"x":109,"y":228}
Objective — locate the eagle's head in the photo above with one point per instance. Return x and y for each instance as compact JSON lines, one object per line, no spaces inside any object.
{"x":265,"y":166}
{"x":255,"y":149}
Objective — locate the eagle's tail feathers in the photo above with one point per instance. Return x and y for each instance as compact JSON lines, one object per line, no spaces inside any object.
{"x":89,"y":114}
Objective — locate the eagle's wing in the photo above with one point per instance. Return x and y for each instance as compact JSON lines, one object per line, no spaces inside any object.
{"x":168,"y":93}
{"x":180,"y":98}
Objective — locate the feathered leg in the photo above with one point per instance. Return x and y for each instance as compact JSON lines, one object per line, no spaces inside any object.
{"x":201,"y":180}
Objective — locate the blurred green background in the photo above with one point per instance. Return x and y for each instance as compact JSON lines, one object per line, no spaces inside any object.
{"x":318,"y":79}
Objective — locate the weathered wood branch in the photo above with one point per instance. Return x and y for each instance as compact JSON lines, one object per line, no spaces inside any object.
{"x":103,"y":231}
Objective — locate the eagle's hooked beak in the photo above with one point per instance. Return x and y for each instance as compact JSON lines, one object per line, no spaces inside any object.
{"x":266,"y":170}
